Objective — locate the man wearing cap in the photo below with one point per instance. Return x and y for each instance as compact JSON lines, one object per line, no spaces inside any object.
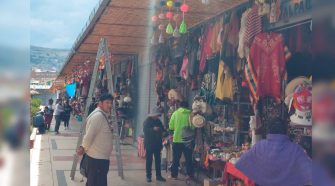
{"x":153,"y":133}
{"x":98,"y":142}
{"x":276,"y":160}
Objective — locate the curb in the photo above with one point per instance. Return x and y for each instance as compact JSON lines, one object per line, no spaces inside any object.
{"x":32,"y":138}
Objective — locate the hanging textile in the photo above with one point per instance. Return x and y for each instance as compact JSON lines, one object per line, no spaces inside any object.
{"x":71,"y":89}
{"x":243,"y":50}
{"x":253,"y":25}
{"x":224,"y":87}
{"x":216,"y":31}
{"x":267,"y":57}
{"x":206,"y":50}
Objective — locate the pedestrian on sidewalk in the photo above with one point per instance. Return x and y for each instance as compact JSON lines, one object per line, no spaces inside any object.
{"x":98,"y":142}
{"x":153,"y":134}
{"x":179,"y":120}
{"x":67,"y":114}
{"x":47,"y":117}
{"x":58,"y":113}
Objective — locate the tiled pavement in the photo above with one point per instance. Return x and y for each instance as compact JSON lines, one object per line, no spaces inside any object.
{"x":52,"y":155}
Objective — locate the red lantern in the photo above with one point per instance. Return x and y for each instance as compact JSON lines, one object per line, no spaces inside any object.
{"x":169,"y":15}
{"x":184,"y":8}
{"x":154,"y":18}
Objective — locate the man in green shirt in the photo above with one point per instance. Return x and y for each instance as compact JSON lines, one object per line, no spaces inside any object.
{"x":179,"y":120}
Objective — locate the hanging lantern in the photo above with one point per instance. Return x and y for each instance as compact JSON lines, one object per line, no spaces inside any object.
{"x":162,"y":3}
{"x":169,"y":15}
{"x":177,"y":4}
{"x":154,"y":18}
{"x":184,"y":8}
{"x":183,"y":27}
{"x":169,"y":4}
{"x":169,"y":29}
{"x":161,"y":16}
{"x":176,"y":32}
{"x":161,"y":39}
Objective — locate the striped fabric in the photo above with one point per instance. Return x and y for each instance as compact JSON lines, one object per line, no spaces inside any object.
{"x":253,"y":26}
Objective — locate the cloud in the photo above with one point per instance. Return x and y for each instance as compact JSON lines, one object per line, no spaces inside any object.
{"x":56,"y":24}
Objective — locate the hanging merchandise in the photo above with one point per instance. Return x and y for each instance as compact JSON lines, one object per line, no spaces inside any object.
{"x":224,"y":87}
{"x":253,"y":26}
{"x":243,"y":51}
{"x":206,"y":50}
{"x":184,"y":68}
{"x":267,"y":65}
{"x":183,"y":27}
{"x":302,"y":103}
{"x":71,"y":89}
{"x":205,"y":2}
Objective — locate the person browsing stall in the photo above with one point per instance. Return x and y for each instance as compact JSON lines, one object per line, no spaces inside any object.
{"x":153,"y":136}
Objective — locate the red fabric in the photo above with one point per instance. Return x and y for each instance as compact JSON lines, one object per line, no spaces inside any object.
{"x":267,"y":56}
{"x":206,"y":49}
{"x":232,"y":171}
{"x":184,"y":68}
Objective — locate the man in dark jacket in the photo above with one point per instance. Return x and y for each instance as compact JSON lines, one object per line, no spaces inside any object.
{"x":153,"y":133}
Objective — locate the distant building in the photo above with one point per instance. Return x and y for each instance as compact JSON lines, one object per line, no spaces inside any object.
{"x":41,"y":81}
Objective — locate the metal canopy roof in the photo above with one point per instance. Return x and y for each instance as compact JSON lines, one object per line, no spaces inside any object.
{"x":127,"y":26}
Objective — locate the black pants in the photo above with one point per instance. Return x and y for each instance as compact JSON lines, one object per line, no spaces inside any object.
{"x":149,"y":154}
{"x":66,"y":121}
{"x":177,"y":150}
{"x":97,"y":172}
{"x":58,"y":121}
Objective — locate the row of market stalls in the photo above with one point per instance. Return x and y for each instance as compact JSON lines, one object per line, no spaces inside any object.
{"x":223,"y":57}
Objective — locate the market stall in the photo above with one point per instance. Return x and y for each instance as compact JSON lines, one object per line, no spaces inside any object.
{"x":234,"y":68}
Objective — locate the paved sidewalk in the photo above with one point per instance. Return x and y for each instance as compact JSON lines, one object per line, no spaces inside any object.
{"x":52,"y":155}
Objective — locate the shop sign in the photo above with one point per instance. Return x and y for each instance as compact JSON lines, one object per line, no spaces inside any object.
{"x":290,"y":8}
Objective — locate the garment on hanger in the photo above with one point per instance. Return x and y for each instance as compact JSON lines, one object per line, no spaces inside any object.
{"x":206,"y":50}
{"x":253,"y":25}
{"x":216,"y":30}
{"x":267,"y":57}
{"x":243,"y":50}
{"x":224,"y":84}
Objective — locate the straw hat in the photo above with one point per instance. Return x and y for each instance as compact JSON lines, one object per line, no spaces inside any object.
{"x":173,"y":94}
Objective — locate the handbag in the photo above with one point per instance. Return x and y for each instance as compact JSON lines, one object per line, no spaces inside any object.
{"x":84,"y":165}
{"x":188,"y":134}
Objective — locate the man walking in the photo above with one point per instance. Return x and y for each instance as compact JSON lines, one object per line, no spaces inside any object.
{"x":98,"y":142}
{"x":58,"y":113}
{"x":153,"y":133}
{"x":179,"y":120}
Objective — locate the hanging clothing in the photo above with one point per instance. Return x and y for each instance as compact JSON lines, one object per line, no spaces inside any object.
{"x":206,"y":50}
{"x":267,"y":57}
{"x":216,"y":30}
{"x":243,"y":50}
{"x":253,"y":25}
{"x":224,"y":84}
{"x":233,"y":30}
{"x":184,"y":68}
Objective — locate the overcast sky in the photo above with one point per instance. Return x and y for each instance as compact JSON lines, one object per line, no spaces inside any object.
{"x":57,"y":23}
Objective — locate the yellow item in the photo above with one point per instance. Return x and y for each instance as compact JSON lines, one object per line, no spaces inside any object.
{"x":224,"y":84}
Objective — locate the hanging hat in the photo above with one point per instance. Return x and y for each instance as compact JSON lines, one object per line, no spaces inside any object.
{"x":292,"y":85}
{"x":324,"y":115}
{"x":302,"y":102}
{"x":198,"y":120}
{"x":173,"y":94}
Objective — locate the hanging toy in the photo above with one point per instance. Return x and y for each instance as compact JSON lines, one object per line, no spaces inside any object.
{"x":176,"y":32}
{"x":205,"y":2}
{"x":162,"y":3}
{"x":154,"y":19}
{"x":169,"y":29}
{"x":169,"y":4}
{"x":169,"y":15}
{"x":183,"y":27}
{"x":177,"y":4}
